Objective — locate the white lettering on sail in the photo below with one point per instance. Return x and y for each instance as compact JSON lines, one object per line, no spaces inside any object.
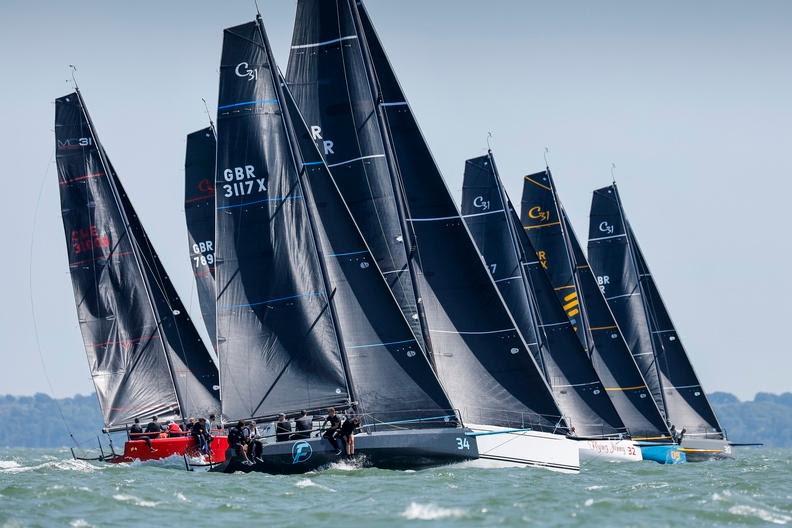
{"x":480,"y":203}
{"x":251,"y":74}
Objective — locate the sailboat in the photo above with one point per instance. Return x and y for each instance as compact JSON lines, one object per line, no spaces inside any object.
{"x":199,"y":213}
{"x":144,"y":354}
{"x":305,"y":319}
{"x":545,"y":223}
{"x":628,"y":285}
{"x":368,"y":136}
{"x":530,"y":296}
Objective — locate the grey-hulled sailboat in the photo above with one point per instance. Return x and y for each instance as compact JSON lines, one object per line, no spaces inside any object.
{"x":369,"y":137}
{"x":305,"y":319}
{"x":628,"y":285}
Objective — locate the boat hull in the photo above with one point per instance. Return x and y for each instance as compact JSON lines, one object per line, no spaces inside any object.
{"x":162,"y":448}
{"x":663,"y":453}
{"x":704,"y":449}
{"x":400,"y":450}
{"x":619,"y":450}
{"x":508,"y":447}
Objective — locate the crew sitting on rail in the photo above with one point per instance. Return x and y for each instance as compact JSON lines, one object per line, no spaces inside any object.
{"x":347,"y":434}
{"x":190,"y":424}
{"x":236,"y":447}
{"x":136,"y":433}
{"x":154,"y":428}
{"x":302,"y":426}
{"x":174,"y":429}
{"x":283,"y":429}
{"x":255,"y":447}
{"x":332,"y":431}
{"x":201,"y":435}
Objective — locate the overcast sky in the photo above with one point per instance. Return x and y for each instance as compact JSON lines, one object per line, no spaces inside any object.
{"x":691,"y":100}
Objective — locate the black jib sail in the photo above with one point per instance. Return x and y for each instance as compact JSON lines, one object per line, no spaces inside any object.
{"x":199,"y":212}
{"x":547,"y":226}
{"x":526,"y":289}
{"x":295,"y":276}
{"x":145,"y":356}
{"x":624,"y":278}
{"x":478,"y":352}
{"x":343,"y":121}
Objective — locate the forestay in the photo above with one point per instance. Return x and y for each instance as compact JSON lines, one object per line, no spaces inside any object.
{"x":145,"y":356}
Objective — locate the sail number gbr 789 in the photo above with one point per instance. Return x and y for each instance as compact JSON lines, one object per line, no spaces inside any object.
{"x":242,"y":181}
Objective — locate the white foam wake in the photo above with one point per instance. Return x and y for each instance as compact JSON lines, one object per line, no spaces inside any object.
{"x":430,"y":512}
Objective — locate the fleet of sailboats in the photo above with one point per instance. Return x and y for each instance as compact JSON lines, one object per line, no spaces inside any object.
{"x":334,"y":269}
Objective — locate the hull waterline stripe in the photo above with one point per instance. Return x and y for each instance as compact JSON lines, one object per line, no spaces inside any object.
{"x":529,"y":462}
{"x":324,"y":43}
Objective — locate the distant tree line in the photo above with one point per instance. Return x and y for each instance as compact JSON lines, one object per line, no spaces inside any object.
{"x":35,"y":421}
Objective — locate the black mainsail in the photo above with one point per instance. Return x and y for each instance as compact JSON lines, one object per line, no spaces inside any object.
{"x":145,"y":356}
{"x":479,"y":354}
{"x":199,"y":213}
{"x":632,"y":294}
{"x":546,"y":224}
{"x":305,"y":317}
{"x":529,"y":296}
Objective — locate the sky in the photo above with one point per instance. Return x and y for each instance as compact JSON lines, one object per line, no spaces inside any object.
{"x":692,"y":101}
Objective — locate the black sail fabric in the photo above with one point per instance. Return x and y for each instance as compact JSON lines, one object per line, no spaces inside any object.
{"x":479,"y":354}
{"x":276,"y":340}
{"x":144,"y":355}
{"x":542,"y":223}
{"x":611,"y":356}
{"x":199,"y":213}
{"x":628,"y":285}
{"x":496,"y":231}
{"x":392,"y":378}
{"x":545,"y":223}
{"x":328,"y":77}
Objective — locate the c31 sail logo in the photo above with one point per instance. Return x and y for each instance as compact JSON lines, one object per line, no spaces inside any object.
{"x":243,"y":70}
{"x":536,"y":213}
{"x":605,"y":227}
{"x":480,"y":203}
{"x":301,"y":452}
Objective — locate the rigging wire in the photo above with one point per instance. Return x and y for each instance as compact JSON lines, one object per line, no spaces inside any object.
{"x":33,"y":304}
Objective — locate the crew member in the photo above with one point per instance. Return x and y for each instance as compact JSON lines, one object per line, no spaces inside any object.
{"x":347,"y":434}
{"x":332,"y":431}
{"x":302,"y":426}
{"x":283,"y":429}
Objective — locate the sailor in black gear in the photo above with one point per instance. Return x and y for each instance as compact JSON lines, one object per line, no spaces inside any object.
{"x":136,"y":433}
{"x":332,"y":431}
{"x":302,"y":426}
{"x":283,"y":429}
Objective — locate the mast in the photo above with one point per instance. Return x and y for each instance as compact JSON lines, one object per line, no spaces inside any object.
{"x":277,"y":83}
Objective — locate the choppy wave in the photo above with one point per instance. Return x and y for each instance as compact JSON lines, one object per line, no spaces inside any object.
{"x":430,"y":512}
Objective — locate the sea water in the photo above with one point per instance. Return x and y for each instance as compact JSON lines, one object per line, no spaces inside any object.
{"x":48,"y":488}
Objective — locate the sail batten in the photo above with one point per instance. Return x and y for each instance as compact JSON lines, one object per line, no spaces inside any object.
{"x":624,"y":278}
{"x":144,"y":353}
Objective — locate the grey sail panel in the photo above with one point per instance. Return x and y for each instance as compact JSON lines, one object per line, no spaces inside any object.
{"x":277,"y":344}
{"x":575,"y":386}
{"x":328,"y":77}
{"x":199,"y":213}
{"x":613,"y":265}
{"x":479,"y":354}
{"x":392,"y":378}
{"x":686,"y":402}
{"x":611,"y":356}
{"x":144,"y":357}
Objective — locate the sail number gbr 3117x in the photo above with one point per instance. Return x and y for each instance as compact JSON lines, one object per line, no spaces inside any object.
{"x":242,"y":181}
